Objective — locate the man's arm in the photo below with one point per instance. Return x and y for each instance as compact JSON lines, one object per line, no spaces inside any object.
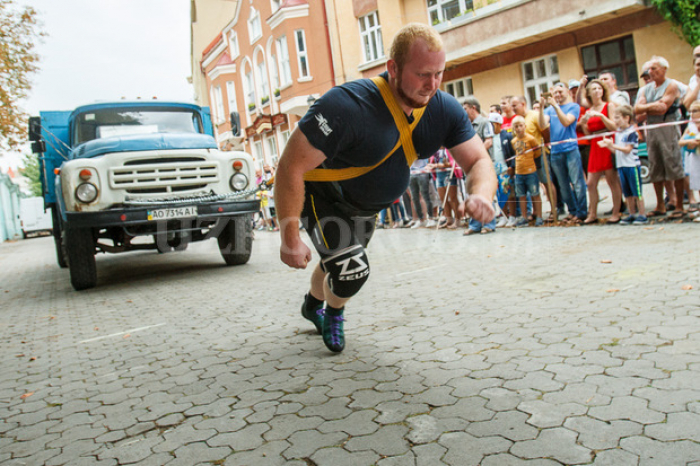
{"x":566,"y":119}
{"x":660,"y":106}
{"x":299,"y":157}
{"x":542,"y":119}
{"x":692,"y":95}
{"x":481,"y":178}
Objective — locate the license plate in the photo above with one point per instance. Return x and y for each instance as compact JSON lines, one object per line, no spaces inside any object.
{"x":175,"y":212}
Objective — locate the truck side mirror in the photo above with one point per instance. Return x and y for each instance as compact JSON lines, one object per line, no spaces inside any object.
{"x":38,"y":147}
{"x":35,"y":128}
{"x":235,"y":123}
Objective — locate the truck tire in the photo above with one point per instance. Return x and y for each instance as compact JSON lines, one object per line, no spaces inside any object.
{"x":236,"y":240}
{"x":58,"y":241}
{"x":80,"y":246}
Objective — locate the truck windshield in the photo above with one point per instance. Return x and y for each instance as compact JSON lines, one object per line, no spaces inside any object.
{"x":123,"y":121}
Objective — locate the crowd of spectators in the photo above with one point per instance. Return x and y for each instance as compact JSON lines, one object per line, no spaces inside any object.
{"x":559,"y":149}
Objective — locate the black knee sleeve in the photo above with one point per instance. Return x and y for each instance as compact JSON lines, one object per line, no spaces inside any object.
{"x":348,"y":271}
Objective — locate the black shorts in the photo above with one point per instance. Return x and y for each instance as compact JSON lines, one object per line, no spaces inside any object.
{"x":335,"y":225}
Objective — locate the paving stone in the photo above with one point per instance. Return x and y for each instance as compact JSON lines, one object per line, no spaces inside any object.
{"x":511,"y":425}
{"x":627,"y":408}
{"x":652,"y":452}
{"x":386,"y":441}
{"x":182,"y":435}
{"x":397,"y":411}
{"x":281,"y":427}
{"x":340,"y":457}
{"x":465,"y":450}
{"x":615,"y":457}
{"x":667,"y":401}
{"x":357,"y":423}
{"x":543,"y":414}
{"x":268,"y":454}
{"x":197,"y":453}
{"x":73,"y":451}
{"x":598,"y":435}
{"x":504,"y":459}
{"x":678,"y":426}
{"x":470,"y":409}
{"x":557,"y":443}
{"x":333,"y":409}
{"x":306,"y":443}
{"x":131,"y":451}
{"x":248,"y":438}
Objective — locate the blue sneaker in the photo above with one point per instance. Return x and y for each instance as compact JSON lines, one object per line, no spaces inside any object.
{"x":640,"y":220}
{"x":539,"y":222}
{"x":333,"y":335}
{"x":314,"y":315}
{"x":522,"y":223}
{"x":629,"y":220}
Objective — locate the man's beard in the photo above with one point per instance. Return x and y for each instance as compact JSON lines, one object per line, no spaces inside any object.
{"x":407,"y":100}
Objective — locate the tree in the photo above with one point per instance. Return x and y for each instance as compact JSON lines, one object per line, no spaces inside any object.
{"x":19,"y":32}
{"x":685,"y":17}
{"x":32,"y":173}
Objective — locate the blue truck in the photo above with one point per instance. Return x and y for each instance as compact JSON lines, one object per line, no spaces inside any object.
{"x":125,"y":176}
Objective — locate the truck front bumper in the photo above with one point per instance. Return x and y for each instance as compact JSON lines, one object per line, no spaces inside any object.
{"x":138,"y":216}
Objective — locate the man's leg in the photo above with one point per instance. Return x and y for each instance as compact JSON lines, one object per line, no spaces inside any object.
{"x":560,"y":169}
{"x":578,"y":182}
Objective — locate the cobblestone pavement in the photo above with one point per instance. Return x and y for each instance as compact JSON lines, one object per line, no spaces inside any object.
{"x":533,"y":347}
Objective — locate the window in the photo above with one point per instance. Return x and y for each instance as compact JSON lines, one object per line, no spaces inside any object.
{"x":250,"y":90}
{"x":538,"y":76}
{"x":444,"y":10}
{"x":254,"y":27}
{"x":460,"y":89}
{"x":231,"y":95}
{"x":283,"y":61}
{"x":219,"y":116}
{"x":616,"y":56}
{"x":275,"y":4}
{"x":274,"y":76}
{"x":371,"y":35}
{"x":261,"y":75}
{"x":259,"y":155}
{"x":301,"y":53}
{"x":272,"y":148}
{"x":233,"y":44}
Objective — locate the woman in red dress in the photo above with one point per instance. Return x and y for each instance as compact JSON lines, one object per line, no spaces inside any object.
{"x":600,"y":161}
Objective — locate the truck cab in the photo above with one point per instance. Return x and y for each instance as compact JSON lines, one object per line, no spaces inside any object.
{"x":125,"y":176}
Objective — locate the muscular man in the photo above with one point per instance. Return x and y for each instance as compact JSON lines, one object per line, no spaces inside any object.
{"x":660,"y":100}
{"x":349,"y":158}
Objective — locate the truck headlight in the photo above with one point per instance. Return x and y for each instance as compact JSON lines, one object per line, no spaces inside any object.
{"x":238,"y":182}
{"x":86,"y":192}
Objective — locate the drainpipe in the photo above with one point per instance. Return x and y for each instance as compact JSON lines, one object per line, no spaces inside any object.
{"x":328,"y":39}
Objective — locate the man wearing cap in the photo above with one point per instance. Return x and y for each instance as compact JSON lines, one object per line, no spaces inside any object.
{"x":660,"y":100}
{"x":561,"y":117}
{"x":481,"y":125}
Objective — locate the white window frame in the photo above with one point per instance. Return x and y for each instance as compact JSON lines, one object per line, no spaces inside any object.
{"x":233,"y":44}
{"x":302,"y":55}
{"x":371,"y":37}
{"x":275,"y":5}
{"x":271,"y":143}
{"x":437,"y":11}
{"x":249,"y":87}
{"x":283,"y":65}
{"x":231,"y":95}
{"x":261,"y":79}
{"x":218,"y":105}
{"x":545,"y":73}
{"x":460,"y":88}
{"x":259,"y":152}
{"x":254,"y":25}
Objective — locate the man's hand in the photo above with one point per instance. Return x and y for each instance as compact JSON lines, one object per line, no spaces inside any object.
{"x":296,"y":256}
{"x":479,"y":208}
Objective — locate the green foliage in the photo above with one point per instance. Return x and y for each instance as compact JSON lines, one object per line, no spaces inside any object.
{"x":32,"y":172}
{"x":18,"y":61}
{"x":685,"y":17}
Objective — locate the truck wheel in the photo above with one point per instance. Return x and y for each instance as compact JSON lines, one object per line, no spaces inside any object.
{"x":236,"y":240}
{"x":644,"y":170}
{"x":80,"y":246}
{"x":58,"y":242}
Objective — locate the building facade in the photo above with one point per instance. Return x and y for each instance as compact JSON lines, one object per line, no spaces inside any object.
{"x":493,"y":48}
{"x":263,"y":70}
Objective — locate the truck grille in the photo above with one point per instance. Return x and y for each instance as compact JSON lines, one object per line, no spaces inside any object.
{"x":164,"y":176}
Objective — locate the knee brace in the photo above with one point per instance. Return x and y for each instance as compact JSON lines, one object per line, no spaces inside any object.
{"x":347,"y":271}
